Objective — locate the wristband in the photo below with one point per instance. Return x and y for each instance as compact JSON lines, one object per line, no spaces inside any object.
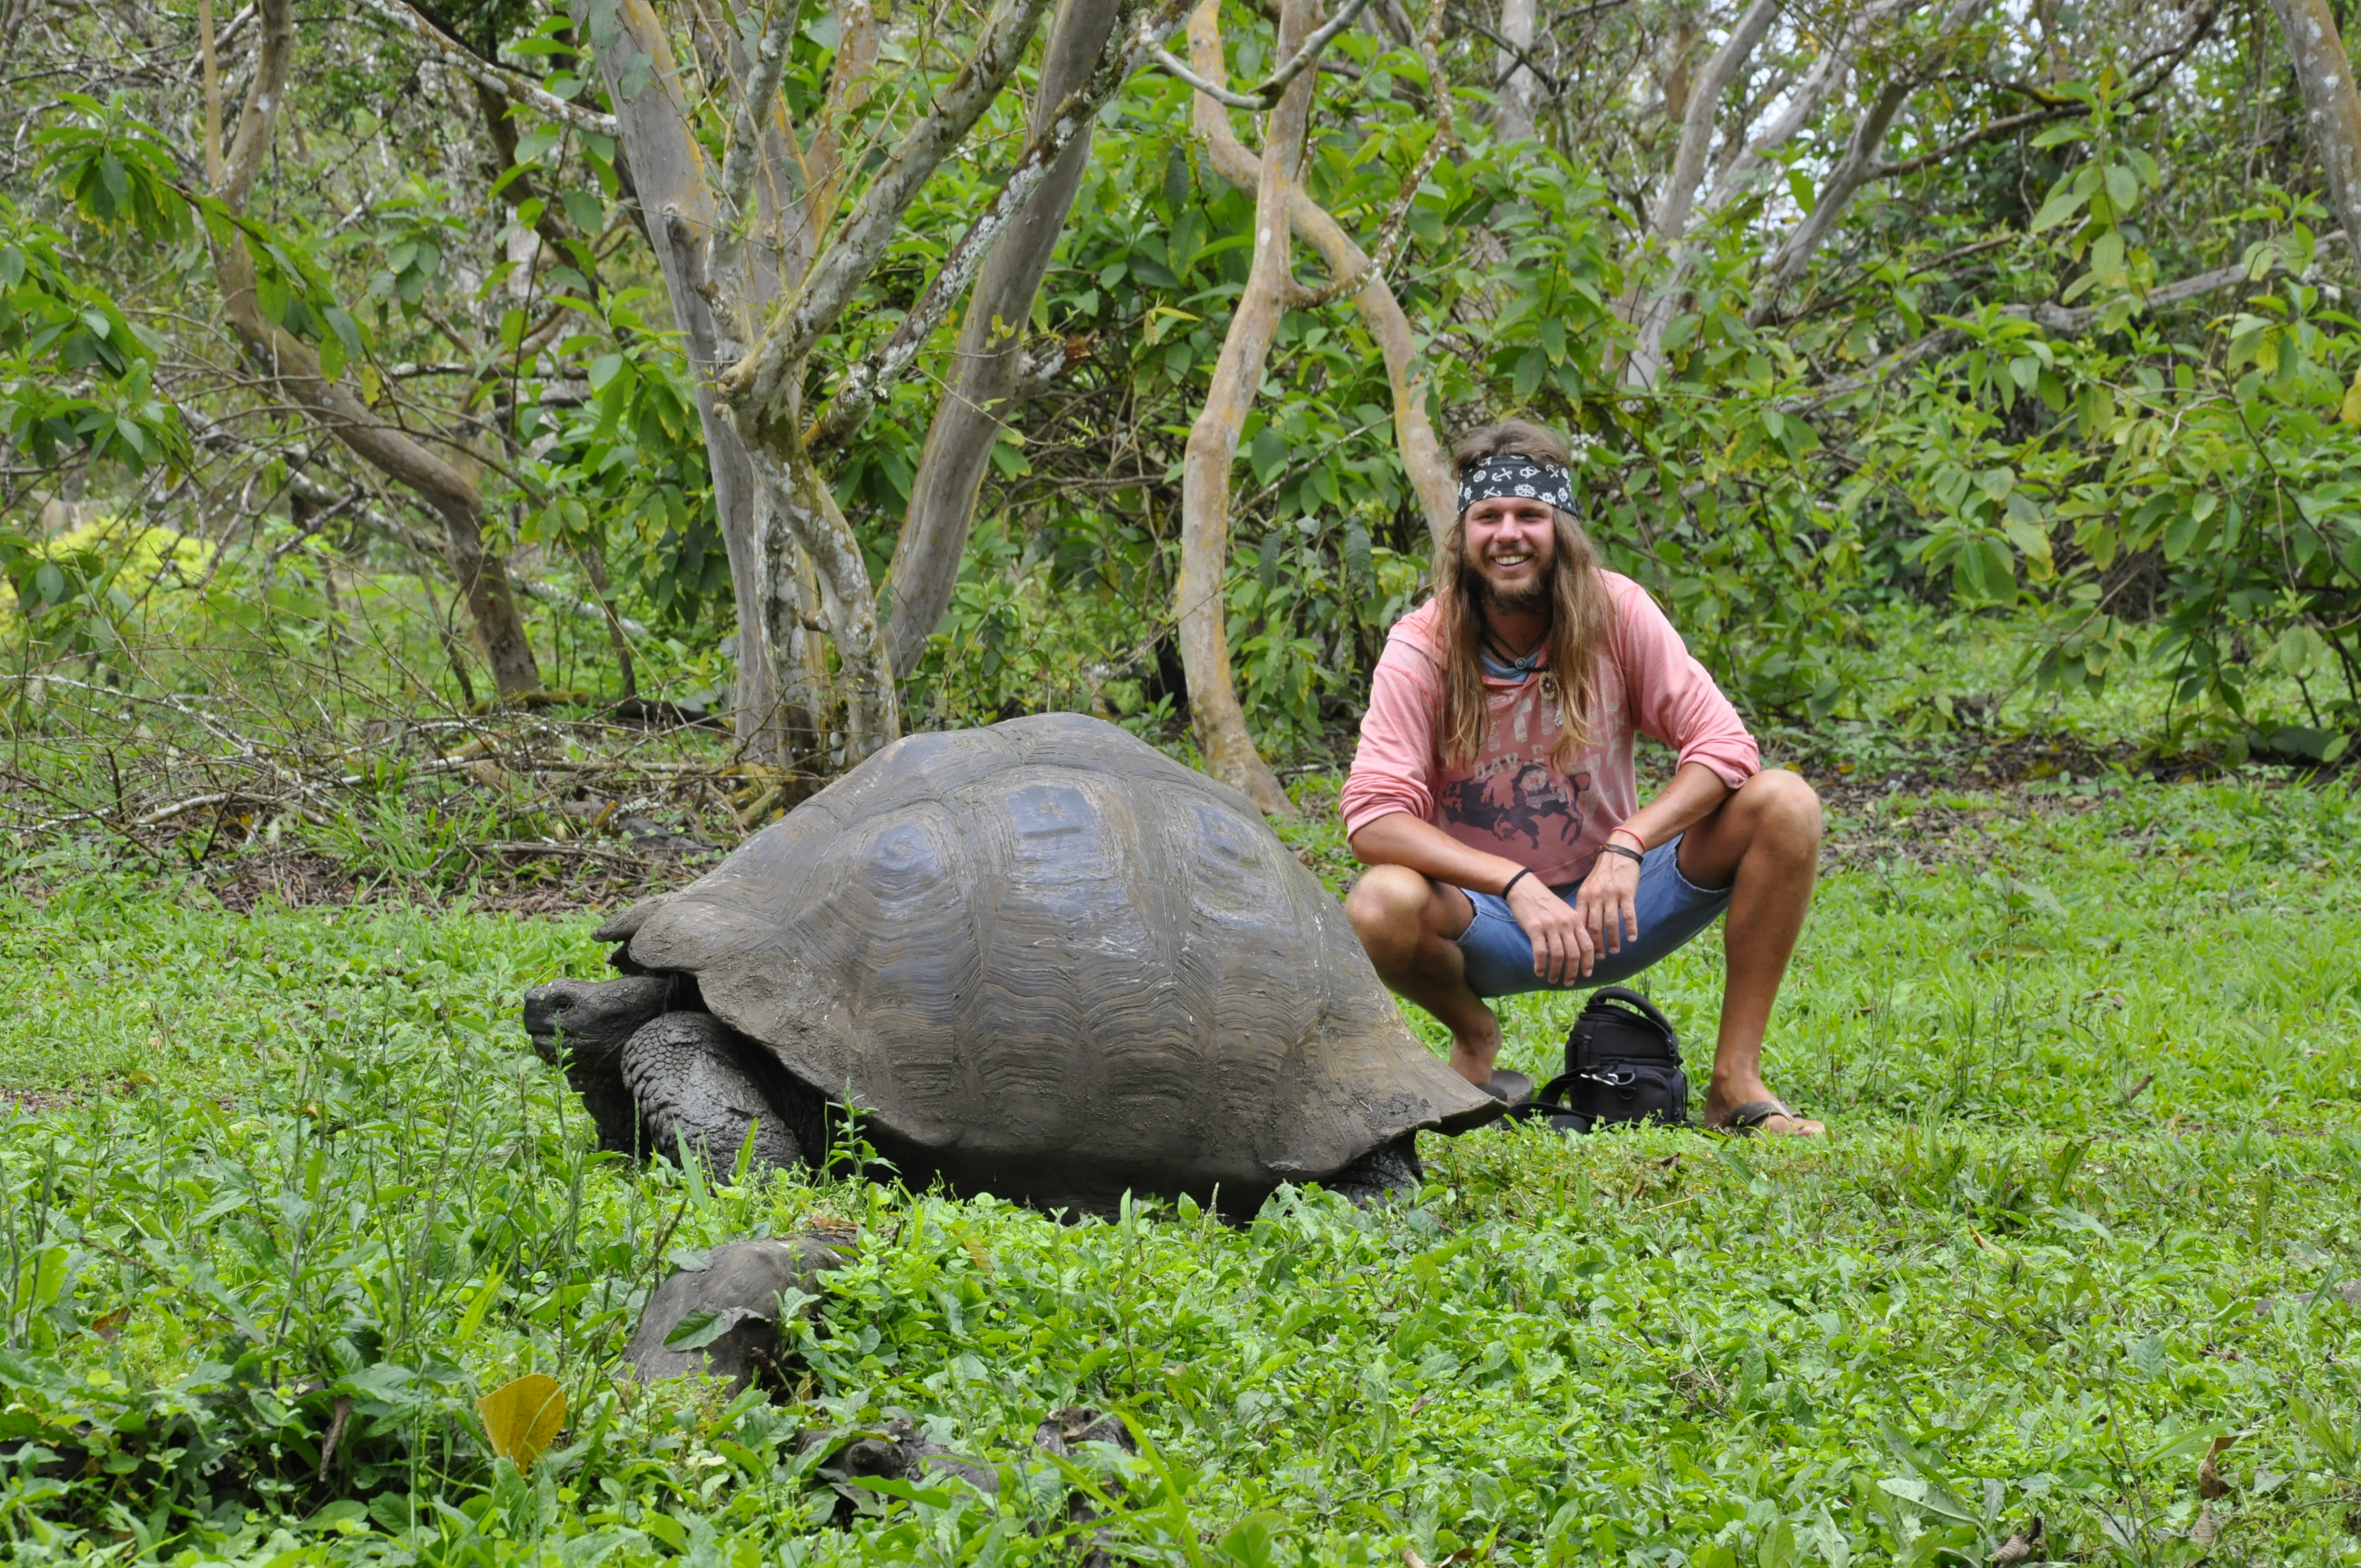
{"x":1634,"y":837}
{"x":1515,"y":880}
{"x":1634,"y":856}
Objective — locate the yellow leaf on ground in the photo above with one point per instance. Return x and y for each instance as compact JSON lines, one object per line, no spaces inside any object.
{"x":523,"y":1418}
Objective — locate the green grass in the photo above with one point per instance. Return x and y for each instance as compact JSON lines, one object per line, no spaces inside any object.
{"x":2092,"y":1058}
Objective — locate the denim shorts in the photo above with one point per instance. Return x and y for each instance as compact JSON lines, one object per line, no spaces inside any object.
{"x":1669,"y":908}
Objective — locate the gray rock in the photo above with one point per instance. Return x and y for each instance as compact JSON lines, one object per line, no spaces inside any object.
{"x":741,"y":1285}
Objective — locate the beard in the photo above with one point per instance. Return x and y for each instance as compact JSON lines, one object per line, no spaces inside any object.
{"x":1538,"y":599}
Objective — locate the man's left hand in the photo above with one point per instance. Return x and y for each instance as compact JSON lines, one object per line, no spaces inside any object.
{"x":1605,"y":906}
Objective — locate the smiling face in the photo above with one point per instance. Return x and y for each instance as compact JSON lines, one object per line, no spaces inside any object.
{"x":1512,"y":547}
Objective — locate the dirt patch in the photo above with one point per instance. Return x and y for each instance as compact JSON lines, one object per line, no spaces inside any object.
{"x":519,"y":878}
{"x":35,"y":1101}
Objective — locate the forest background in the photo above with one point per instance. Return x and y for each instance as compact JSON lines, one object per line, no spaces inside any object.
{"x":485,"y":457}
{"x":1860,"y":314}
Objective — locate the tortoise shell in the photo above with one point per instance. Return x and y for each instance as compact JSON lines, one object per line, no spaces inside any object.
{"x":1052,"y":963}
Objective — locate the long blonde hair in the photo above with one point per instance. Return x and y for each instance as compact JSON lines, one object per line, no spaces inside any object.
{"x":1578,"y":610}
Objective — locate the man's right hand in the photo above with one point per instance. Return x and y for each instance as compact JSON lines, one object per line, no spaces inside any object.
{"x":1563,"y":949}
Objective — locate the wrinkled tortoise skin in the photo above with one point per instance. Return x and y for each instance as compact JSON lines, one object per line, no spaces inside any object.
{"x":1053,"y":964}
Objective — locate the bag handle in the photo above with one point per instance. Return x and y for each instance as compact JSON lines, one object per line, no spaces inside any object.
{"x":1635,"y":1007}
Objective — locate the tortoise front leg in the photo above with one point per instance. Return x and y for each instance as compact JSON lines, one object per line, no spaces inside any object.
{"x":692,"y":1094}
{"x":598,"y":1079}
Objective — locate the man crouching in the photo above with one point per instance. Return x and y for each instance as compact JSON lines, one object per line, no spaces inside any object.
{"x":1494,"y":802}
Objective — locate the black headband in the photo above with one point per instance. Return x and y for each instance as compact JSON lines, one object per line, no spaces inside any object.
{"x":1512,"y":474}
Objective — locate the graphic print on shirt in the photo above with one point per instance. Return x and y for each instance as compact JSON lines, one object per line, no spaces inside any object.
{"x":1516,"y":799}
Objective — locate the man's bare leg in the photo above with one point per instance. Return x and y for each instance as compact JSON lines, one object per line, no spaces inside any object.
{"x":1763,"y":843}
{"x":1409,"y":926}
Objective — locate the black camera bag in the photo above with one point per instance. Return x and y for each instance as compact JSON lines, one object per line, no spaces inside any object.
{"x":1622,"y":1064}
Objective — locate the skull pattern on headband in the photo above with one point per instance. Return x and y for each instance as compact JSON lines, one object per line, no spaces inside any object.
{"x":1525,"y":477}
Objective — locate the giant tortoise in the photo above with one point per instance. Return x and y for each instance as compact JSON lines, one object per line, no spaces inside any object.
{"x":1044,"y":961}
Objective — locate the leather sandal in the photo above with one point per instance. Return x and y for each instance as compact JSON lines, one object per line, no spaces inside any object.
{"x":1510,"y":1087}
{"x":1746,"y":1121}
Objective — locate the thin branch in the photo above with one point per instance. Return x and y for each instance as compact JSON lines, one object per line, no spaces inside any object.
{"x":1556,"y":84}
{"x":2167,"y":59}
{"x":762,"y":90}
{"x":1927,"y":269}
{"x":1171,"y":67}
{"x":1265,"y":92}
{"x":2070,"y":320}
{"x":515,"y":86}
{"x":1390,"y":236}
{"x":1269,"y":87}
{"x":760,"y":379}
{"x":865,"y":382}
{"x":2064,"y":319}
{"x":1883,"y":369}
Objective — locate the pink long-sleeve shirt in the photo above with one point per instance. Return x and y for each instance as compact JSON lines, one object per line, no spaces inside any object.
{"x":1509,"y":799}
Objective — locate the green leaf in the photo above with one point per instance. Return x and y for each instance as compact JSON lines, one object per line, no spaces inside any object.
{"x":2181,"y":533}
{"x":702,"y":1327}
{"x":2123,"y":187}
{"x":2062,"y":205}
{"x":587,"y":211}
{"x":1532,"y":366}
{"x":2107,"y":257}
{"x":1268,"y":454}
{"x":1357,"y":565}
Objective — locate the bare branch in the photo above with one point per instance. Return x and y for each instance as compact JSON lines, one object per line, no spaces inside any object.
{"x":762,"y":89}
{"x":1857,"y":167}
{"x":862,"y":385}
{"x":1271,"y":86}
{"x":2166,"y":61}
{"x":2006,"y":126}
{"x":2070,"y":320}
{"x":1697,"y":125}
{"x":1523,"y":55}
{"x":515,"y":86}
{"x":1265,"y":92}
{"x":1390,"y":235}
{"x":2067,"y":321}
{"x":758,"y":381}
{"x":1883,"y":369}
{"x":1174,"y":67}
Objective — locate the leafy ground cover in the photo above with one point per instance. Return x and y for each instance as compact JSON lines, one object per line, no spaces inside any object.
{"x":2092,"y":1052}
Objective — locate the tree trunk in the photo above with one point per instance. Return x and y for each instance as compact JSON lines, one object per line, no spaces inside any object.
{"x":799,"y":496}
{"x":1650,"y":311}
{"x":1423,"y":457}
{"x":2331,"y":109}
{"x":983,"y":381}
{"x":1512,"y":112}
{"x":1221,"y":725}
{"x":774,"y":712}
{"x":750,"y":330}
{"x":296,"y":367}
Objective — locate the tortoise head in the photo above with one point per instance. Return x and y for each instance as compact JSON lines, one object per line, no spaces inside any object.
{"x":591,"y":1018}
